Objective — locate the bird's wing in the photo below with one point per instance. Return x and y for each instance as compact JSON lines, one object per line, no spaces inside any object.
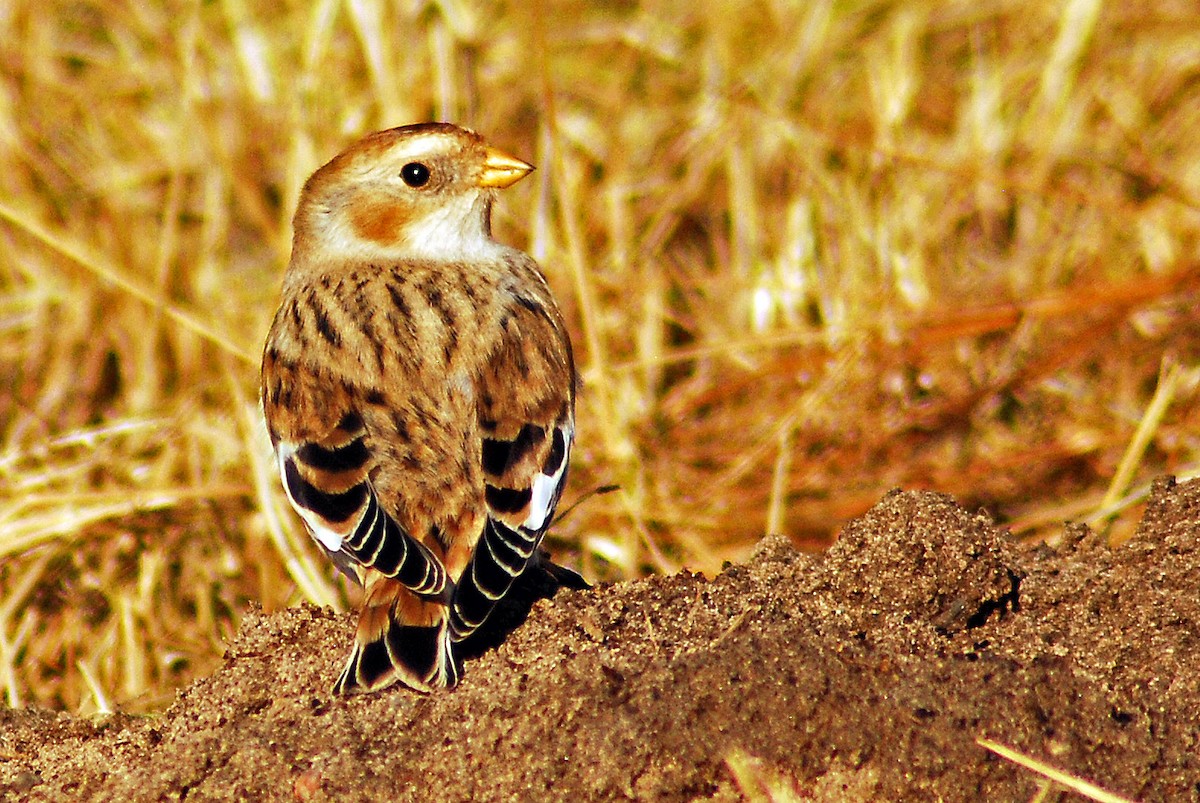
{"x":325,"y":460}
{"x":526,"y":401}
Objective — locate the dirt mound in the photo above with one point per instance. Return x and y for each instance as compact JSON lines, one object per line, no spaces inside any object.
{"x":864,"y":673}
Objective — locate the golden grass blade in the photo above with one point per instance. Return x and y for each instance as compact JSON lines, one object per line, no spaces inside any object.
{"x":1075,"y":784}
{"x":68,"y":519}
{"x":757,"y":782}
{"x":252,"y":50}
{"x":372,"y":35}
{"x":777,"y":502}
{"x":1170,"y":379}
{"x":1047,"y":791}
{"x":111,"y":275}
{"x":1139,"y":494}
{"x":18,"y":591}
{"x":9,"y":650}
{"x":101,"y":705}
{"x":134,"y":679}
{"x":1076,"y":27}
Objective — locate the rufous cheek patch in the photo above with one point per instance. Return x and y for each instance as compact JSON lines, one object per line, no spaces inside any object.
{"x":377,"y":220}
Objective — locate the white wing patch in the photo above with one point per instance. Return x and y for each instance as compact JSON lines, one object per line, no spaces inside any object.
{"x":546,"y":488}
{"x":328,"y":537}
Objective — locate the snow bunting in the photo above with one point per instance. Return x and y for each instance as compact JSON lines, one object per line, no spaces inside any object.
{"x":419,"y":391}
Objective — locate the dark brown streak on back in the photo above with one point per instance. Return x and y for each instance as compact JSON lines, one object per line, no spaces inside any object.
{"x":434,"y":296}
{"x":361,"y":301}
{"x":376,"y":342}
{"x":401,"y":425}
{"x":531,"y":305}
{"x":515,"y":349}
{"x":361,"y":281}
{"x":423,"y":419}
{"x":298,"y":329}
{"x":470,"y":292}
{"x":321,"y":318}
{"x":355,"y":308}
{"x":402,"y":306}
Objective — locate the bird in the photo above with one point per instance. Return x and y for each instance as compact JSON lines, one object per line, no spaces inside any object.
{"x":418,"y":387}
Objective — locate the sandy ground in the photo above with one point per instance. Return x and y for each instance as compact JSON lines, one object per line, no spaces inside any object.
{"x":867,"y":672}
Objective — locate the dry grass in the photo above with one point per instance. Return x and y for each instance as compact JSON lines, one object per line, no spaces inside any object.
{"x":1053,"y":778}
{"x":808,"y":255}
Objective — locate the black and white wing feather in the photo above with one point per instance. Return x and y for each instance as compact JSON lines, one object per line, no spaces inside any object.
{"x":327,"y":481}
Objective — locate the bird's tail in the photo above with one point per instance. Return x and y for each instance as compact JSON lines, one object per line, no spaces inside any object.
{"x":401,"y":637}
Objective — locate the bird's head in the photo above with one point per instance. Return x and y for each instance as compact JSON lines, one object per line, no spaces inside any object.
{"x":421,"y":191}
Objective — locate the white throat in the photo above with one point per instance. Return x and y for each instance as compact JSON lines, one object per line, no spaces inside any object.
{"x":456,"y":231}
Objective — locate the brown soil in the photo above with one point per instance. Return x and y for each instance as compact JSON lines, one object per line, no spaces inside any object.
{"x":867,"y":672}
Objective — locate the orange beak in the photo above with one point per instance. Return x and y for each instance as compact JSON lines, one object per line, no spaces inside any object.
{"x":501,"y":170}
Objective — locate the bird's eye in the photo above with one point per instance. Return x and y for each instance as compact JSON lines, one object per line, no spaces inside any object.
{"x":415,"y":174}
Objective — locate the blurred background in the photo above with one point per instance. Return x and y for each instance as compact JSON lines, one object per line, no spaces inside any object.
{"x":809,"y":252}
